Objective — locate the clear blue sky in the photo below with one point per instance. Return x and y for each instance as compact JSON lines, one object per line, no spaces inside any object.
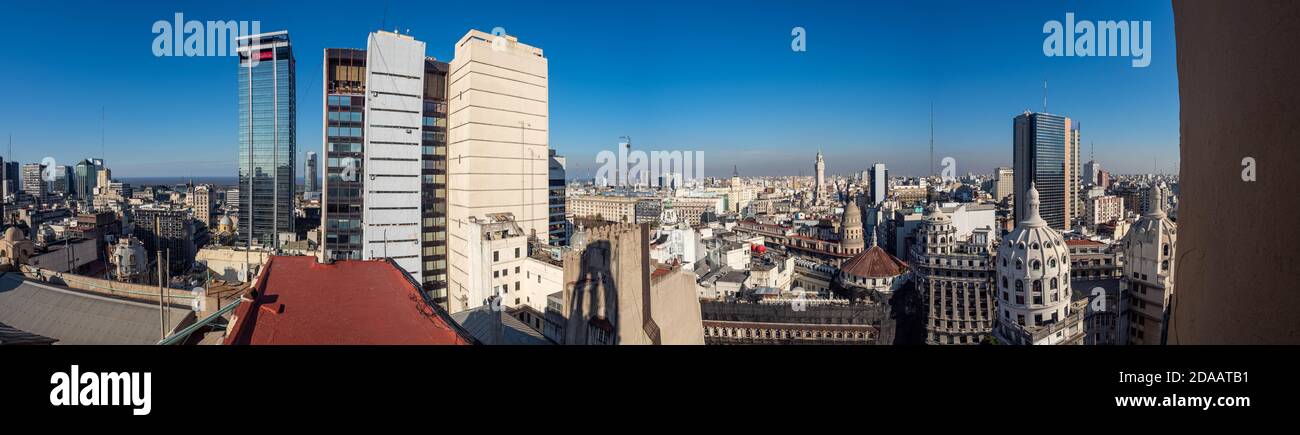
{"x":675,"y":75}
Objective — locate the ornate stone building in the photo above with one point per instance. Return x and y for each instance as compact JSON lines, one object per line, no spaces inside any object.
{"x":1033,"y":277}
{"x":1148,"y":281}
{"x":955,"y":280}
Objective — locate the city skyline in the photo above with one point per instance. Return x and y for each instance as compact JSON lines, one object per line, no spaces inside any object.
{"x":836,"y":96}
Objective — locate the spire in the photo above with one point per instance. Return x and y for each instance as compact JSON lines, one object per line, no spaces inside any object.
{"x":1032,"y":218}
{"x":1155,"y":202}
{"x":873,"y":237}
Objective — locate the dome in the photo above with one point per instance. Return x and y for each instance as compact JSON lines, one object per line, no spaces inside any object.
{"x":933,"y":214}
{"x":13,"y":235}
{"x":1033,"y":266}
{"x":225,"y":220}
{"x":874,"y":263}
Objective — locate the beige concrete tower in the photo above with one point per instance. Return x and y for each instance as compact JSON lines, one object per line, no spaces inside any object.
{"x":497,"y":143}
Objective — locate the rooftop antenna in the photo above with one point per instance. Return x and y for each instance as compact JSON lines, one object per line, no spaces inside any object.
{"x":102,"y":130}
{"x":1092,"y":154}
{"x":384,"y":22}
{"x":1044,"y":96}
{"x":932,"y":137}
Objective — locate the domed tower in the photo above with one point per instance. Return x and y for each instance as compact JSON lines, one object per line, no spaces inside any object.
{"x":1148,"y":282}
{"x":1033,"y":279}
{"x":851,"y":228}
{"x":955,"y":281}
{"x":937,"y":233}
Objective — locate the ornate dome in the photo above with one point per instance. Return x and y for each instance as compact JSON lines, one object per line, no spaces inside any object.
{"x":933,"y":214}
{"x":1033,"y":267}
{"x":225,"y":220}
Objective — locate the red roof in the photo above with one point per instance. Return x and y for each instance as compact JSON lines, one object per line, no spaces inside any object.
{"x":1083,"y":243}
{"x":300,"y":301}
{"x":874,"y":263}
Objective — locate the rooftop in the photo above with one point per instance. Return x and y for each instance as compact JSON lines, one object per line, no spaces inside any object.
{"x":297,"y":300}
{"x":76,"y":317}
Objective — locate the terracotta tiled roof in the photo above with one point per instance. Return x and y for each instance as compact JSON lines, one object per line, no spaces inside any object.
{"x":874,"y":263}
{"x":300,"y":301}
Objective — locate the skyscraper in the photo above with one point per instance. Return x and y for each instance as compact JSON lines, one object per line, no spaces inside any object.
{"x":11,"y":180}
{"x":1005,"y":183}
{"x":310,"y":182}
{"x":497,"y":156}
{"x":32,"y":182}
{"x":85,"y":178}
{"x":392,"y":147}
{"x":1043,"y":149}
{"x":559,"y":227}
{"x":384,"y":191}
{"x":341,"y":198}
{"x":1091,"y":173}
{"x":879,"y":183}
{"x":267,"y":137}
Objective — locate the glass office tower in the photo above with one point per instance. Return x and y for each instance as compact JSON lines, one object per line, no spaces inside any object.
{"x":1044,"y":156}
{"x":267,"y":138}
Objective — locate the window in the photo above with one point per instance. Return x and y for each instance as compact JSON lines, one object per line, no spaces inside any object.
{"x":516,"y":252}
{"x":1019,"y":265}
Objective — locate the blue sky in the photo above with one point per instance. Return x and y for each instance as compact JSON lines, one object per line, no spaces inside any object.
{"x":674,"y":75}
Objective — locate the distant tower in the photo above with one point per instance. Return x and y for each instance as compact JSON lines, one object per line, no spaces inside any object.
{"x":310,"y":182}
{"x":820,"y":167}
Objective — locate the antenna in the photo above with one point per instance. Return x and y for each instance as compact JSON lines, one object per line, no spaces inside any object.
{"x":931,"y":137}
{"x":102,"y":130}
{"x":1092,"y":154}
{"x":1044,"y":96}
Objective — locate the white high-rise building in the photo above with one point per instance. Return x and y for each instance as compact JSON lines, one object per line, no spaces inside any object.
{"x":1005,"y":184}
{"x":879,"y":184}
{"x":391,"y":167}
{"x":1033,"y":279}
{"x":497,"y":152}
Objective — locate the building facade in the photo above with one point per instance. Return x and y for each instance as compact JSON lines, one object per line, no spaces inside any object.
{"x":497,"y":152}
{"x":267,"y":137}
{"x":1148,"y":283}
{"x":1044,"y":157}
{"x":384,"y":189}
{"x":1004,"y":183}
{"x":955,"y":280}
{"x":558,"y":226}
